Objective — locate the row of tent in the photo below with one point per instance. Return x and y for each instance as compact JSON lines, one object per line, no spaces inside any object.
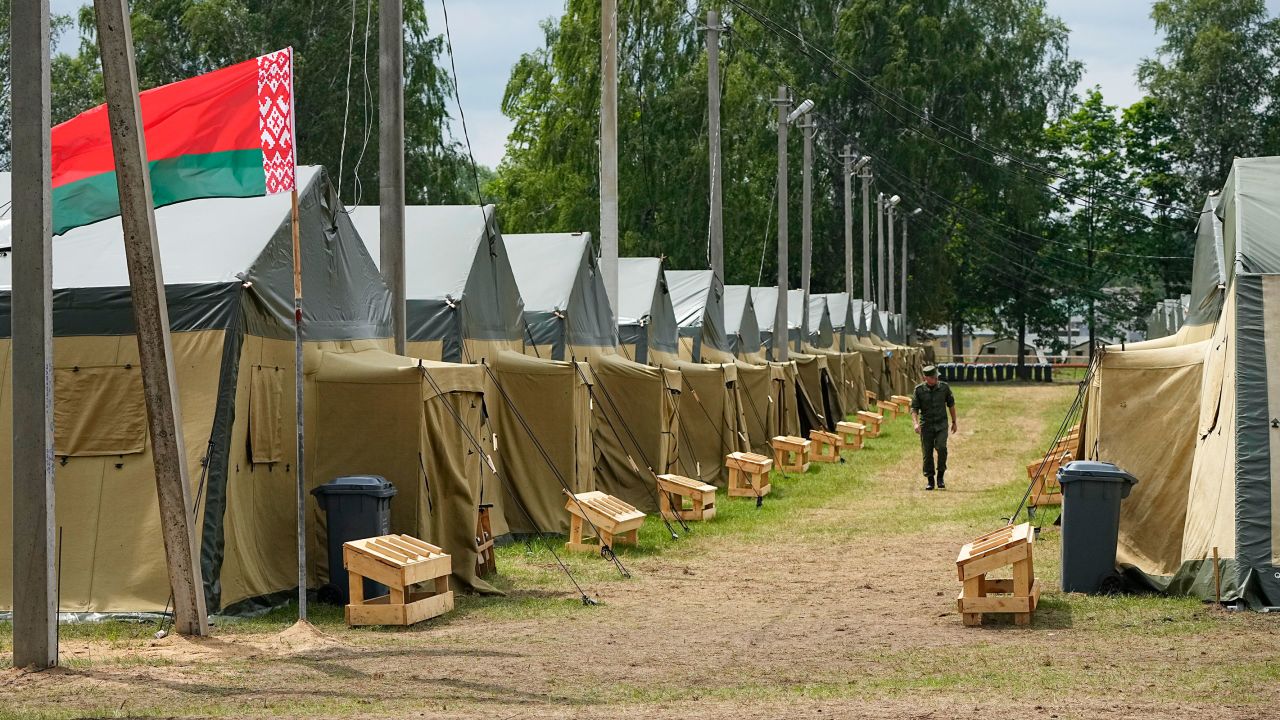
{"x":1195,"y":415}
{"x":1167,"y":317}
{"x":516,"y":386}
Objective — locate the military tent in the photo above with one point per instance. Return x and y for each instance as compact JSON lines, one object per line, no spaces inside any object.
{"x":227,"y":264}
{"x":756,"y":387}
{"x":765,"y":300}
{"x":820,"y":333}
{"x":566,"y":309}
{"x":697,"y":297}
{"x":462,"y":300}
{"x":712,"y":421}
{"x":647,"y":328}
{"x":541,"y":413}
{"x":741,"y":326}
{"x":637,"y":427}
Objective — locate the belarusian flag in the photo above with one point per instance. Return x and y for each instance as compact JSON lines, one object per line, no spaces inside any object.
{"x":229,"y":133}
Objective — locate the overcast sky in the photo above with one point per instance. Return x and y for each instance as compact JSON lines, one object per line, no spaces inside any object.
{"x":1110,"y":36}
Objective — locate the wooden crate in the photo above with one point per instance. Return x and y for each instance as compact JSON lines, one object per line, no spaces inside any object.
{"x":675,"y":490}
{"x":614,"y":521}
{"x":790,"y":453}
{"x":399,"y":562}
{"x":1010,"y":546}
{"x":825,"y":446}
{"x":486,"y":560}
{"x":748,"y":474}
{"x":889,"y":408}
{"x":850,"y":434}
{"x":871,"y":421}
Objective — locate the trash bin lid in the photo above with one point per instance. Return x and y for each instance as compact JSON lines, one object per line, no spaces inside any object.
{"x":370,"y":485}
{"x":1094,"y":471}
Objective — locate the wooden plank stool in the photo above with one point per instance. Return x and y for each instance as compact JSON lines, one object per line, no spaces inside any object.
{"x":399,"y":562}
{"x":890,"y":409}
{"x":871,"y":421}
{"x":825,"y":446}
{"x":1043,"y":474}
{"x":872,"y":398}
{"x":1008,"y":546}
{"x":486,"y":561}
{"x":614,"y":520}
{"x":748,"y":474}
{"x":674,"y":490}
{"x":850,"y":434}
{"x":791,"y":453}
{"x":903,"y":402}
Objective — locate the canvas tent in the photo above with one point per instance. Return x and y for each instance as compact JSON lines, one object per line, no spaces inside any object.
{"x":647,"y":328}
{"x":765,"y":300}
{"x":541,"y":414}
{"x":843,"y":323}
{"x":228,"y":268}
{"x":462,"y":300}
{"x":1209,"y":483}
{"x":741,"y":326}
{"x":712,"y":421}
{"x":412,"y":422}
{"x":697,"y":298}
{"x":637,"y":427}
{"x":821,"y":331}
{"x":566,"y":309}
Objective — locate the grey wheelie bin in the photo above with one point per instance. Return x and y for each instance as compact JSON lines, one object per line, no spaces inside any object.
{"x":355,"y":507}
{"x":1091,"y":495}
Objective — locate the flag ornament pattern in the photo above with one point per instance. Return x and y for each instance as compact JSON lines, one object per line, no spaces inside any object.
{"x":228,"y":133}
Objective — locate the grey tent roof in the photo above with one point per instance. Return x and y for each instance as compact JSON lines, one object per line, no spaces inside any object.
{"x":697,"y":298}
{"x":1250,"y":210}
{"x":1208,"y":269}
{"x":765,"y":300}
{"x":564,"y":296}
{"x":645,"y":303}
{"x":840,"y":308}
{"x":860,"y":320}
{"x":455,"y":261}
{"x":740,"y":322}
{"x":820,"y":332}
{"x":215,"y":254}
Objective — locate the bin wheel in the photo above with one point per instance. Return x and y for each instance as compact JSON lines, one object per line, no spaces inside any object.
{"x":1112,"y":584}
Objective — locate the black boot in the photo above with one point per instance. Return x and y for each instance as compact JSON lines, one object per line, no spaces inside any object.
{"x":930,"y":479}
{"x":942,"y":485}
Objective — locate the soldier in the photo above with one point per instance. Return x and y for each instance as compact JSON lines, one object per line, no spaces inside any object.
{"x":929,"y":407}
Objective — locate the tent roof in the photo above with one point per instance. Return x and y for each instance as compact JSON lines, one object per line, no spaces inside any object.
{"x":765,"y":300}
{"x":736,"y":299}
{"x":546,"y":265}
{"x":1250,"y":210}
{"x":440,"y":245}
{"x":690,"y":292}
{"x":201,"y":241}
{"x":637,"y":284}
{"x":838,"y":306}
{"x":817,"y":306}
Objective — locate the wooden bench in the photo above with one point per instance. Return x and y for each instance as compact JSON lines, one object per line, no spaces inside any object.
{"x":1010,"y":546}
{"x":674,"y":490}
{"x":872,"y":398}
{"x":871,"y":422}
{"x":903,"y":402}
{"x":748,"y":474}
{"x":890,"y":409}
{"x":825,"y":446}
{"x":399,"y":562}
{"x":486,"y":561}
{"x":790,"y":453}
{"x":614,"y":521}
{"x":850,"y":434}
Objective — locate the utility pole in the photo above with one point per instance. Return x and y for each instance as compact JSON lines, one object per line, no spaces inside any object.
{"x":808,"y":128}
{"x":893,"y":300}
{"x":609,"y":150}
{"x":781,"y":333}
{"x":716,"y":231}
{"x":880,"y":252}
{"x":150,"y":315}
{"x":1089,"y":261}
{"x":847,"y":157}
{"x":391,"y":160}
{"x":35,"y":594}
{"x":906,"y":219}
{"x":866,"y":233}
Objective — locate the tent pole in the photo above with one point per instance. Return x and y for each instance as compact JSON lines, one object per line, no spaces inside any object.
{"x":298,"y":414}
{"x":150,"y":316}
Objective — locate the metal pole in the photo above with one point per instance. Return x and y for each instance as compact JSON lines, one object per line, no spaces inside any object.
{"x":35,"y":595}
{"x":808,"y":129}
{"x":609,"y":150}
{"x":300,"y":480}
{"x":892,"y":298}
{"x":847,"y":156}
{"x":866,"y":235}
{"x":150,"y":315}
{"x":781,"y":333}
{"x":391,"y":160}
{"x":880,"y":252}
{"x":716,"y":233}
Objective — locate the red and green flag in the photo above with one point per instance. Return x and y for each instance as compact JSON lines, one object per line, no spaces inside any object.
{"x":229,"y":133}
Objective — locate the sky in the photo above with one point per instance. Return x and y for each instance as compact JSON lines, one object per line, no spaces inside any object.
{"x":1110,"y":36}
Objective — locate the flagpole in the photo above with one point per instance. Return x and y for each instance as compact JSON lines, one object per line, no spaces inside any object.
{"x":299,"y":415}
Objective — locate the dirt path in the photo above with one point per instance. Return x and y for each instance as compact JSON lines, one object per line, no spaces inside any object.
{"x":846,"y":611}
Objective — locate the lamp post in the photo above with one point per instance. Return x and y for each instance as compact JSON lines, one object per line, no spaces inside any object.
{"x":785,"y":120}
{"x":891,"y":206}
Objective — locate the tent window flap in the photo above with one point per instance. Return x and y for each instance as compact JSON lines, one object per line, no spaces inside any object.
{"x":266,"y":398}
{"x":98,"y":411}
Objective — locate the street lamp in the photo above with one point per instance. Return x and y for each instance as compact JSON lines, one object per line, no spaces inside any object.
{"x":785,"y":119}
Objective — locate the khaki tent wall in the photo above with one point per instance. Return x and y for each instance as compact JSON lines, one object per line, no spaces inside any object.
{"x":380,"y":414}
{"x":756,"y":388}
{"x":819,"y":389}
{"x":553,"y":400}
{"x":874,"y":375}
{"x":636,"y":412}
{"x":712,"y":424}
